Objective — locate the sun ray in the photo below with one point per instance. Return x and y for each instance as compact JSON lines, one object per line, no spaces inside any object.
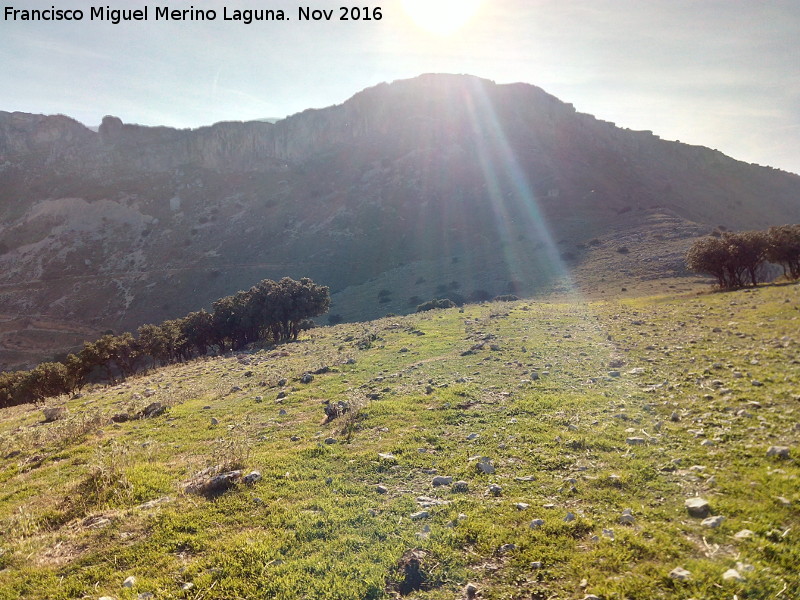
{"x":441,"y":17}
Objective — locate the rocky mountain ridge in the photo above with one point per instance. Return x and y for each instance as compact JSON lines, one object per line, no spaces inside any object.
{"x":438,"y":185}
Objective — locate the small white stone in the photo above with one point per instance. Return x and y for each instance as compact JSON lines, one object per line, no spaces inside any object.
{"x":680,"y":574}
{"x":129,"y":582}
{"x":744,"y":534}
{"x":732,"y":574}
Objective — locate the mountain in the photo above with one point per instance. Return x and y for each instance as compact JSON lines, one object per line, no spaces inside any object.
{"x":435,"y":186}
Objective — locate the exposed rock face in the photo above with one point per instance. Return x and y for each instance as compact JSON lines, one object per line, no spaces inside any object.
{"x":440,"y":178}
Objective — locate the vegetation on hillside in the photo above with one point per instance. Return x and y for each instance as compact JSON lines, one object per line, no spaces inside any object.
{"x":530,"y":450}
{"x":269,"y":311}
{"x":737,"y":259}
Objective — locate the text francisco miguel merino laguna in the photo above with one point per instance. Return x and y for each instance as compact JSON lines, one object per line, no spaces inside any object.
{"x":165,"y":13}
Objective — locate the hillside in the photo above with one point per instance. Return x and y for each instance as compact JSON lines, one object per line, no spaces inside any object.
{"x":567,"y":438}
{"x":439,"y":185}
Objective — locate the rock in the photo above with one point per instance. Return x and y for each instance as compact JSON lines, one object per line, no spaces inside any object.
{"x":471,"y":590}
{"x":505,"y":548}
{"x":522,"y":506}
{"x":120,"y":418}
{"x":636,"y":441}
{"x":698,"y":508}
{"x":145,"y":596}
{"x":494,"y":490}
{"x":152,"y":410}
{"x":680,"y":574}
{"x":627,"y":517}
{"x":381,"y":489}
{"x":570,"y":517}
{"x":614,"y":374}
{"x":778,"y":451}
{"x":307,"y":378}
{"x":252,"y":477}
{"x":330,"y":441}
{"x":713,"y":522}
{"x":591,"y":597}
{"x":460,"y":487}
{"x":609,"y":533}
{"x":674,"y":417}
{"x":423,"y":514}
{"x":472,"y":436}
{"x":54,"y":413}
{"x":129,"y":582}
{"x":386,"y":456}
{"x":187,"y":586}
{"x":485,"y":466}
{"x":743,"y":534}
{"x":732,"y":575}
{"x":536,"y":523}
{"x":442,"y":480}
{"x":214,"y":421}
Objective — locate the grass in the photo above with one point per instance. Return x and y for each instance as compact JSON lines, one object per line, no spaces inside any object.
{"x":551,"y":393}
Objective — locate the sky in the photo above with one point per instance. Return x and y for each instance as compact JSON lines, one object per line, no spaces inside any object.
{"x":718,"y":73}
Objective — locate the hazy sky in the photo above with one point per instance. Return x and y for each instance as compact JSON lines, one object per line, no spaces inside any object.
{"x":720,"y":73}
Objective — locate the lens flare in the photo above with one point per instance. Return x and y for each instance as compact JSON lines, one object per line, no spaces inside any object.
{"x":441,"y":17}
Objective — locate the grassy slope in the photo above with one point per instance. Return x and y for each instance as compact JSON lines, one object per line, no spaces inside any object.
{"x":71,"y":492}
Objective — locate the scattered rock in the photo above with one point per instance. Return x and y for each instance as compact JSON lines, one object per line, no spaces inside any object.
{"x":442,"y":480}
{"x":330,"y":441}
{"x":423,"y":514}
{"x":743,"y":534}
{"x":307,"y":378}
{"x":732,"y":575}
{"x":471,"y":591}
{"x":698,"y":508}
{"x":485,"y":466}
{"x":494,"y":490}
{"x":570,"y":517}
{"x":252,"y":477}
{"x":680,"y":574}
{"x":460,"y":487}
{"x":627,"y":517}
{"x":609,"y":533}
{"x":522,"y":506}
{"x":381,"y":489}
{"x":54,"y":413}
{"x":129,"y":582}
{"x":674,"y":417}
{"x":214,"y":421}
{"x":636,"y":441}
{"x":713,"y":522}
{"x":505,"y":548}
{"x":537,"y":523}
{"x":152,"y":410}
{"x":778,"y":451}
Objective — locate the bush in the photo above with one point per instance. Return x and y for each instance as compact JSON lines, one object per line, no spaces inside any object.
{"x":480,"y":296}
{"x":438,"y":303}
{"x":783,"y":248}
{"x":731,"y":258}
{"x":506,"y":298}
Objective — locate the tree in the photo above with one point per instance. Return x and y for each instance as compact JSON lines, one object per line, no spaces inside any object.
{"x":783,"y":248}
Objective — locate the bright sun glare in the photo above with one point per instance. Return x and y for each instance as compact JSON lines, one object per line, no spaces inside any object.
{"x":443,"y":17}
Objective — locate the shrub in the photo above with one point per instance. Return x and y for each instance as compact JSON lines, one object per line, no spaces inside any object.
{"x":480,"y":296}
{"x":506,"y":298}
{"x":437,"y":303}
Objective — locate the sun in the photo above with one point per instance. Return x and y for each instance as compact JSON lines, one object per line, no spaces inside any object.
{"x":442,"y":17}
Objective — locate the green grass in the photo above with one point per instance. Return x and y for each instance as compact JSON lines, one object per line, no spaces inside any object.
{"x":435,"y":390}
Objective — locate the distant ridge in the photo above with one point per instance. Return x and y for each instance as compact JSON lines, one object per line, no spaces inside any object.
{"x":441,"y":185}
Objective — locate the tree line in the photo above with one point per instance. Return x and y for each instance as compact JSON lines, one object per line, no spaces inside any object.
{"x":269,"y":311}
{"x":738,"y":259}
